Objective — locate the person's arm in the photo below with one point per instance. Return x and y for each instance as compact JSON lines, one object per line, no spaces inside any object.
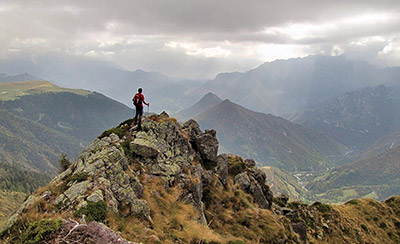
{"x":145,"y":102}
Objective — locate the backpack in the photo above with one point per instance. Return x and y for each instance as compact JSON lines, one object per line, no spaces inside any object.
{"x":137,"y":100}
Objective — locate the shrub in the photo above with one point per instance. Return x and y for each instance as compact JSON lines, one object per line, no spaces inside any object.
{"x":278,"y":202}
{"x":383,"y":225}
{"x":236,"y":242}
{"x":352,"y":202}
{"x":119,"y":131}
{"x":79,"y":177}
{"x":126,"y":122}
{"x":397,"y":224}
{"x":364,"y":227}
{"x":38,"y":230}
{"x":295,"y":205}
{"x":323,"y":208}
{"x":63,"y":162}
{"x":94,"y":211}
{"x":236,"y":168}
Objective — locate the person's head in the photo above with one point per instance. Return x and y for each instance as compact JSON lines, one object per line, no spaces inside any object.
{"x":140,"y":90}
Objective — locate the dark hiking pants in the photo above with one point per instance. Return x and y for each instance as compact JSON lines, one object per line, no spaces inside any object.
{"x":139,"y":114}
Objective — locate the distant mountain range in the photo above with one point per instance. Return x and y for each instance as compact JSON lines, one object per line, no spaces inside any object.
{"x":357,"y":119}
{"x":283,"y":87}
{"x":269,"y":139}
{"x":163,"y":93}
{"x":277,"y":142}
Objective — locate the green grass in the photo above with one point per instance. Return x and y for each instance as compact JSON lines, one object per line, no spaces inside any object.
{"x":14,"y":90}
{"x":39,"y":230}
{"x":94,"y":211}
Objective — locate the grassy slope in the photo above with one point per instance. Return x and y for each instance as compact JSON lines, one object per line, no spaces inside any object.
{"x":9,"y":202}
{"x":14,"y":90}
{"x":82,"y":117}
{"x":357,"y":221}
{"x":31,"y":145}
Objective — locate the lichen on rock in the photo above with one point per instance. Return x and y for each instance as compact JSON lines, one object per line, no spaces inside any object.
{"x":115,"y":171}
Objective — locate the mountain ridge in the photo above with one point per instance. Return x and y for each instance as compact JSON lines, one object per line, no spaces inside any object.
{"x":268,"y":138}
{"x":357,"y":119}
{"x":18,"y":77}
{"x":286,"y":86}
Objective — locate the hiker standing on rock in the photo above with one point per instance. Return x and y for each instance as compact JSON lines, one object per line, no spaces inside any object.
{"x":138,"y":101}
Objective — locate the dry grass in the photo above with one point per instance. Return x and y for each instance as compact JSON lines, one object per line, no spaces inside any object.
{"x":40,"y":209}
{"x":360,"y":221}
{"x":231,"y":212}
{"x":173,"y":221}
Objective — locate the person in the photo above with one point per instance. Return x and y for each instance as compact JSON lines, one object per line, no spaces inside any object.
{"x":138,"y":100}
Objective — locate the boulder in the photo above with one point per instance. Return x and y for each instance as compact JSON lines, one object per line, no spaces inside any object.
{"x":144,"y":148}
{"x":250,"y":163}
{"x":259,"y":197}
{"x":243,"y":181}
{"x":164,"y":114}
{"x":301,"y":229}
{"x":77,"y":190}
{"x":140,"y":208}
{"x":283,"y":197}
{"x":192,"y":128}
{"x":207,"y":145}
{"x":196,"y":190}
{"x":222,"y":168}
{"x":96,"y":196}
{"x":94,"y":232}
{"x":261,"y":193}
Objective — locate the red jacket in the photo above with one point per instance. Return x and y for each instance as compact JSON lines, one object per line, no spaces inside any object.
{"x":140,"y":98}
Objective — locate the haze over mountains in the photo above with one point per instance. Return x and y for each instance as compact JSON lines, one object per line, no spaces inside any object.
{"x":376,"y":176}
{"x":163,"y":93}
{"x":287,"y":86}
{"x":356,"y":119}
{"x":280,"y":87}
{"x":19,"y":77}
{"x":277,"y":142}
{"x":269,"y":139}
{"x":329,"y":97}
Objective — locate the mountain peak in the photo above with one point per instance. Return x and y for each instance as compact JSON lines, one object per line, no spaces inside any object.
{"x":206,"y":102}
{"x":19,"y":77}
{"x":211,"y":95}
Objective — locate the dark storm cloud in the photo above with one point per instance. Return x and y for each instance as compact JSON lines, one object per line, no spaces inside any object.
{"x":129,"y":31}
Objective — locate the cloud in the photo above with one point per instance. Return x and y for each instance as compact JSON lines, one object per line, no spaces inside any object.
{"x":225,"y":33}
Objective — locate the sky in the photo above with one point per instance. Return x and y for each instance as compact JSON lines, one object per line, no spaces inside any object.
{"x":198,"y":39}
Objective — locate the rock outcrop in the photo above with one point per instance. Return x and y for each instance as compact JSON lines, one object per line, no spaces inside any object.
{"x":114,"y":169}
{"x":167,"y":184}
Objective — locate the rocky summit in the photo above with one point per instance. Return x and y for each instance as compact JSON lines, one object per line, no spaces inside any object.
{"x":167,"y":184}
